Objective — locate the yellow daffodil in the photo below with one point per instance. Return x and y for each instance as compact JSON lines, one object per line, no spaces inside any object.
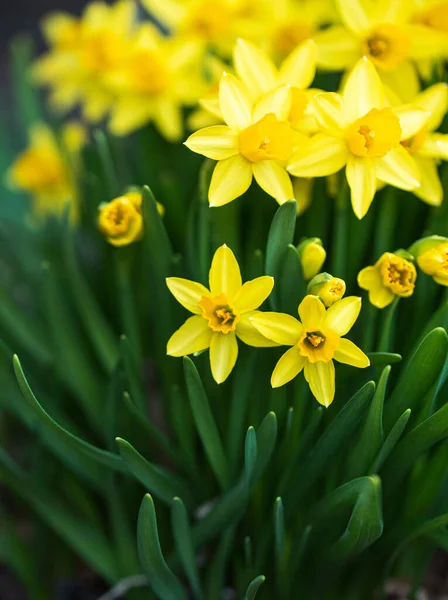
{"x":256,"y":141}
{"x":157,"y":77}
{"x":221,"y":314}
{"x":46,"y":169}
{"x":82,"y":54}
{"x":121,"y":221}
{"x":391,"y":276}
{"x":432,"y":14}
{"x":382,"y":31}
{"x":329,"y":289}
{"x":431,"y":254}
{"x":312,"y":256}
{"x":361,"y":131}
{"x":426,"y":147}
{"x":316,"y":340}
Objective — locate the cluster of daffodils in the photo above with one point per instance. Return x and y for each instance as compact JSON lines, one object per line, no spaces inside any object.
{"x":229,"y":311}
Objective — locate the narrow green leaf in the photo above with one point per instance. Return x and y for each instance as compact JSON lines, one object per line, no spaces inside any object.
{"x":184,"y":544}
{"x":290,"y":281}
{"x":381,"y":359}
{"x":250,"y":455}
{"x":219,"y":564}
{"x":266,"y":440}
{"x":107,"y":163}
{"x":160,"y":577}
{"x":25,"y":94}
{"x":205,"y":423}
{"x":158,"y":481}
{"x":418,"y":376}
{"x":133,"y":376}
{"x":279,"y":529}
{"x":126,"y":299}
{"x":156,"y":239}
{"x":390,"y":442}
{"x":254,"y":586}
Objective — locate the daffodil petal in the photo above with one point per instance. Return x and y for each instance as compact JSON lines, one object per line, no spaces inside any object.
{"x":354,"y":15}
{"x":288,"y":367}
{"x":398,"y":168}
{"x":403,"y":82}
{"x":217,"y":142}
{"x":329,"y":113}
{"x":253,"y":293}
{"x":299,"y":68}
{"x":223,"y":355}
{"x":193,"y":336}
{"x":127,"y":115}
{"x":337,"y":48}
{"x":430,"y":190}
{"x":274,"y":180}
{"x":278,"y":327}
{"x":277,"y":101}
{"x":303,"y":193}
{"x":426,"y":42}
{"x":234,"y":102}
{"x":363,"y":90}
{"x":342,"y":315}
{"x":188,"y":293}
{"x":362,"y":182}
{"x":321,"y":379}
{"x":312,"y":312}
{"x":249,"y":334}
{"x":412,"y":119}
{"x":381,"y":296}
{"x":225,"y":275}
{"x":322,"y":155}
{"x":168,"y":117}
{"x":231,"y":178}
{"x":349,"y":354}
{"x":435,"y":100}
{"x":368,"y":278}
{"x":435,"y":146}
{"x":254,"y":67}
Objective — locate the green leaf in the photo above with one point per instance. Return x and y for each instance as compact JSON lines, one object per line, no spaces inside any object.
{"x":205,"y":423}
{"x":290,"y":282}
{"x":381,"y":359}
{"x":372,"y":437}
{"x":266,"y":440}
{"x":156,"y":240}
{"x":25,"y":94}
{"x":281,"y":234}
{"x":418,"y":376}
{"x":107,"y":163}
{"x":254,"y":586}
{"x":391,"y":441}
{"x":250,"y":455}
{"x":131,"y":368}
{"x":219,"y":564}
{"x":68,"y":444}
{"x":160,"y":577}
{"x":158,"y":481}
{"x":184,"y":544}
{"x":279,"y":530}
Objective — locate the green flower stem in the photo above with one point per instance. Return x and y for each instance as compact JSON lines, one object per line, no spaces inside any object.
{"x":370,"y":320}
{"x":388,"y":327}
{"x":340,"y":235}
{"x":126,"y":300}
{"x":384,"y":231}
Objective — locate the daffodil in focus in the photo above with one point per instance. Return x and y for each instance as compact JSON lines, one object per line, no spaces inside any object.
{"x":384,"y":31}
{"x":316,"y":340}
{"x":362,"y":132}
{"x":83,"y":52}
{"x":428,"y":148}
{"x":256,"y":141}
{"x":328,"y":288}
{"x":156,"y":78}
{"x":431,"y":254}
{"x":46,"y":169}
{"x":221,"y":314}
{"x":391,"y":276}
{"x":121,"y":221}
{"x":312,"y":256}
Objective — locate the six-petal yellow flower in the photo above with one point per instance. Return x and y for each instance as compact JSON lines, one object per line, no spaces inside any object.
{"x":391,"y":276}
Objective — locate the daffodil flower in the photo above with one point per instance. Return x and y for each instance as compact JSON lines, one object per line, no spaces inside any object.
{"x":221,"y":314}
{"x":431,"y":254}
{"x":316,"y":340}
{"x":256,"y":141}
{"x":361,"y":131}
{"x":391,"y":276}
{"x":328,"y":288}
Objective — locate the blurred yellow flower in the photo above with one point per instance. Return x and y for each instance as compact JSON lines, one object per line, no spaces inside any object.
{"x":391,"y":276}
{"x":329,"y":289}
{"x":82,"y":54}
{"x":434,"y":262}
{"x":316,"y":340}
{"x":156,"y":78}
{"x":46,"y":169}
{"x":221,"y":313}
{"x":255,"y":142}
{"x":312,"y":256}
{"x":361,"y":131}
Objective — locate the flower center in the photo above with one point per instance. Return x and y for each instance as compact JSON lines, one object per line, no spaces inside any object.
{"x":267,"y":139}
{"x":100,"y":51}
{"x":398,"y":275}
{"x":374,"y":134}
{"x":148,"y":73}
{"x":317,"y":345}
{"x":116,"y":217}
{"x":219,"y":313}
{"x":386,"y":46}
{"x":435,"y":16}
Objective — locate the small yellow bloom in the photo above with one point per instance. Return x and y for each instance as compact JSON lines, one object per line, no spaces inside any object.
{"x":45,"y":169}
{"x":360,"y":131}
{"x":255,"y":142}
{"x":329,"y":289}
{"x":316,"y":340}
{"x":391,"y":276}
{"x":431,"y":254}
{"x":312,"y":256}
{"x":221,"y":314}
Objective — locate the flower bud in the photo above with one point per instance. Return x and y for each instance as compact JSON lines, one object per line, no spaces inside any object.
{"x":432,"y":257}
{"x":329,"y":289}
{"x":312,"y":256}
{"x":120,"y":221}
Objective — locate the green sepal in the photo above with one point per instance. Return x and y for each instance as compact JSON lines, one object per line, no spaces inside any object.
{"x":424,"y":244}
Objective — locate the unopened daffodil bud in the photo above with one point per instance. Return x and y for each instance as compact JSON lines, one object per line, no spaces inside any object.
{"x":312,"y":256}
{"x":329,"y":289}
{"x":392,"y":275}
{"x":431,"y":254}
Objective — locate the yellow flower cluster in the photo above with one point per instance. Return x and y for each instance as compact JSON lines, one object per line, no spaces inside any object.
{"x":229,"y":310}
